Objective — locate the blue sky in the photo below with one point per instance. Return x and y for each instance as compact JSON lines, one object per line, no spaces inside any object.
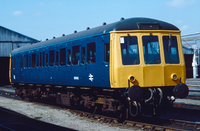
{"x":41,"y":19}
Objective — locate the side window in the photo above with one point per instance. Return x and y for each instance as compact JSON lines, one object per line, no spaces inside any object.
{"x":56,"y":58}
{"x":171,"y":50}
{"x":37,"y":60}
{"x":91,"y":53}
{"x":46,"y":59}
{"x":29,"y":60}
{"x":33,"y":60}
{"x":40,"y":59}
{"x":82,"y":55}
{"x":75,"y":55}
{"x":51,"y":58}
{"x":151,"y":49}
{"x":24,"y":61}
{"x":129,"y":50}
{"x":68,"y":57}
{"x":63,"y":56}
{"x":107,"y":52}
{"x":43,"y":59}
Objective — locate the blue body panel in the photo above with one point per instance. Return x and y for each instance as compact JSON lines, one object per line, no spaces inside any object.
{"x":86,"y":75}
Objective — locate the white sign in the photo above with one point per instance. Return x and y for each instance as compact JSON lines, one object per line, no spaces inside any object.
{"x":122,"y":40}
{"x":91,"y":77}
{"x":76,"y":78}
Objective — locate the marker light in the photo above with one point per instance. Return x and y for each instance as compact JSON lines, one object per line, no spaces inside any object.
{"x":131,"y":78}
{"x":174,"y":76}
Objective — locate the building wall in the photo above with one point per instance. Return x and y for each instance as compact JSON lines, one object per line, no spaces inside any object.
{"x":10,"y":40}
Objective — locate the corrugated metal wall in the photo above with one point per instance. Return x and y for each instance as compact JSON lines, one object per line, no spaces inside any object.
{"x":10,"y":40}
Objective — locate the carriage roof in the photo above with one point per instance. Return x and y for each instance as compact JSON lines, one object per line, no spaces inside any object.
{"x":126,"y":24}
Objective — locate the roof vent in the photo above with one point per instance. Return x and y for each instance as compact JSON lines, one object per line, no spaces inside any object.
{"x":63,"y":35}
{"x":88,"y":28}
{"x":75,"y":31}
{"x":46,"y":39}
{"x":104,"y":23}
{"x":122,"y":18}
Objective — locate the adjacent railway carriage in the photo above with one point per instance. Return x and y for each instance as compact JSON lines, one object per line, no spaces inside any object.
{"x":135,"y":64}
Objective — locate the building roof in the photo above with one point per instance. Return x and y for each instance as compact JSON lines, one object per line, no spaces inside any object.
{"x":2,"y":40}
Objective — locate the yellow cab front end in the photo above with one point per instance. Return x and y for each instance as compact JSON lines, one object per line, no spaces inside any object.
{"x":148,"y":59}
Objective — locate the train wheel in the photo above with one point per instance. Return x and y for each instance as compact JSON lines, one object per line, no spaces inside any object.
{"x":22,"y":96}
{"x":122,"y":115}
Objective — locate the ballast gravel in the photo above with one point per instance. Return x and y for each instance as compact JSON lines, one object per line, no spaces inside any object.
{"x":57,"y":115}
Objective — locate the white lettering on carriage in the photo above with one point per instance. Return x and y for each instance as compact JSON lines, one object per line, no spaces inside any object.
{"x":76,"y":78}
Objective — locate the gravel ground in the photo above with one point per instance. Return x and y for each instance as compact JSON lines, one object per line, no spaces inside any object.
{"x":56,"y":115}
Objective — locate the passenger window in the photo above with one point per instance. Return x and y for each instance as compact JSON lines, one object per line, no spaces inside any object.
{"x":75,"y":55}
{"x":63,"y":56}
{"x":46,"y":59}
{"x":91,"y":53}
{"x":40,"y":59}
{"x":129,"y":50}
{"x":69,"y":57}
{"x":107,"y":52}
{"x":37,"y":60}
{"x":151,"y":50}
{"x":24,"y":61}
{"x":56,"y":58}
{"x":171,"y":50}
{"x":51,"y":58}
{"x":43,"y":59}
{"x":82,"y":55}
{"x":33,"y":60}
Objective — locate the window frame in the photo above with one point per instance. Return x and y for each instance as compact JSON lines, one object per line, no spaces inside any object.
{"x":51,"y":58}
{"x":91,"y":58}
{"x":177,"y":50}
{"x":106,"y":54}
{"x":46,"y":59}
{"x":62,"y":61}
{"x":83,"y":56}
{"x":57,"y":59}
{"x":75,"y":52}
{"x":135,"y":57}
{"x":69,"y":58}
{"x":146,"y":52}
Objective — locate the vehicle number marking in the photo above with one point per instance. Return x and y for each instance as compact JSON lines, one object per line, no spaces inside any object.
{"x":76,"y":78}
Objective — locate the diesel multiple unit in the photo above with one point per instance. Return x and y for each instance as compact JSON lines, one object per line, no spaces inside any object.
{"x":134,"y":65}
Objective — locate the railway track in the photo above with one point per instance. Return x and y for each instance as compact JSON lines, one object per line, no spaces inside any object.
{"x":13,"y":121}
{"x":145,"y":122}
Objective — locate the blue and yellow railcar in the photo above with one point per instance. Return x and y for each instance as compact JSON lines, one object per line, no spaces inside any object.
{"x":134,"y":63}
